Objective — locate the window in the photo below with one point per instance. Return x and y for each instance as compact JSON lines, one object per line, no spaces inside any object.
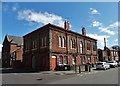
{"x":88,"y":46}
{"x":63,"y":40}
{"x":33,"y":44}
{"x":41,"y":42}
{"x":60,"y":60}
{"x":65,"y":60}
{"x":73,"y":60}
{"x":81,"y":47}
{"x":71,"y":43}
{"x":26,"y":45}
{"x":95,"y":59}
{"x":60,"y":41}
{"x":88,"y":59}
{"x":94,"y":47}
{"x":13,"y":56}
{"x":82,"y":60}
{"x":45,"y":41}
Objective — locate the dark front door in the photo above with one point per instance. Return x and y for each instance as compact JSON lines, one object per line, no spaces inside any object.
{"x":33,"y":62}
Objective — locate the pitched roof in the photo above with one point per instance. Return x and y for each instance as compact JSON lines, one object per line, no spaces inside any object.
{"x":59,"y":28}
{"x":15,"y":39}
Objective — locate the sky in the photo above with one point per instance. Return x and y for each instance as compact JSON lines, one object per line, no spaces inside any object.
{"x":99,"y":18}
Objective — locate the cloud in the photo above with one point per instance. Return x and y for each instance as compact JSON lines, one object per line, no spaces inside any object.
{"x":96,"y":24}
{"x":40,"y":17}
{"x":116,"y":40}
{"x":93,"y":11}
{"x":104,"y":29}
{"x":15,"y":7}
{"x":114,"y":25}
{"x":1,"y":47}
{"x":100,"y":39}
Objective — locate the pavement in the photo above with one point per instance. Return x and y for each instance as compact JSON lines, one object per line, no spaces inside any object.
{"x":68,"y":72}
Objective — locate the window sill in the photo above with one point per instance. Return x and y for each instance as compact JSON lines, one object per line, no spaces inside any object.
{"x":73,"y":48}
{"x":34,"y":49}
{"x":43,"y":47}
{"x":62,"y":47}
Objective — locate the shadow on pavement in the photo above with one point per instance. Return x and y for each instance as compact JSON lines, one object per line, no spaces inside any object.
{"x":10,"y":70}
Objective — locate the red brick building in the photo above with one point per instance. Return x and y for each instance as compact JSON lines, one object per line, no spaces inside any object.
{"x":51,"y":46}
{"x":12,"y":51}
{"x":109,"y":54}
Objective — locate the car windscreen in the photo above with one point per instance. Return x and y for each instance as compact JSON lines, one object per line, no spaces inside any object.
{"x":109,"y":62}
{"x":99,"y":63}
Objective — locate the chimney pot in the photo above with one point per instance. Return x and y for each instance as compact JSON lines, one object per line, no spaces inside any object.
{"x":66,"y":25}
{"x":83,"y":31}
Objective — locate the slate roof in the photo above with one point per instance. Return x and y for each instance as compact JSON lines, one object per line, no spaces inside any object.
{"x":15,"y":39}
{"x":59,"y":28}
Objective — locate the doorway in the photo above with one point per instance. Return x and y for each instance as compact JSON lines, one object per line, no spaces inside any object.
{"x":33,"y":62}
{"x":53,"y":64}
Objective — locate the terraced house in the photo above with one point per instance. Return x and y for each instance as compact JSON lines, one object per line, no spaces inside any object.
{"x":51,"y":46}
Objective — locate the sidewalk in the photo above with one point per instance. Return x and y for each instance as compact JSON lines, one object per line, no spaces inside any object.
{"x":66,"y":72}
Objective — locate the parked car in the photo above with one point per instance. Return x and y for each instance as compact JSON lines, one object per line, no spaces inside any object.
{"x":112,"y":63}
{"x":102,"y":65}
{"x":118,"y":63}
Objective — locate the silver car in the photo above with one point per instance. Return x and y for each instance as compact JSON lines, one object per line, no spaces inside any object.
{"x":112,"y":63}
{"x":102,"y":65}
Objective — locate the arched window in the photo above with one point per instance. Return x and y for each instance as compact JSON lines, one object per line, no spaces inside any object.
{"x":45,"y":41}
{"x":60,"y":41}
{"x":60,"y":60}
{"x":63,"y":40}
{"x":65,"y":60}
{"x":81,"y":47}
{"x":71,"y":43}
{"x":42,"y":42}
{"x":81,"y":60}
{"x":73,"y":60}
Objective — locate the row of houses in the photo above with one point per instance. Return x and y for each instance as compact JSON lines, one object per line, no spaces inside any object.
{"x":49,"y":47}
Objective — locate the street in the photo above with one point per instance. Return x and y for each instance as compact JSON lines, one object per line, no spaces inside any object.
{"x":94,"y":77}
{"x":100,"y":77}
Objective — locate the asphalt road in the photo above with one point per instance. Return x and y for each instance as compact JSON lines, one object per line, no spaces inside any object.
{"x":95,"y":77}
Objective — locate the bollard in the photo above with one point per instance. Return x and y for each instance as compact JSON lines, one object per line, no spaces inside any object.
{"x":89,"y":68}
{"x":86,"y":67}
{"x":79,"y":69}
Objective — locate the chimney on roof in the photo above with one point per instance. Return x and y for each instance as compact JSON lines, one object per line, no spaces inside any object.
{"x":66,"y":25}
{"x":83,"y":31}
{"x":104,"y":44}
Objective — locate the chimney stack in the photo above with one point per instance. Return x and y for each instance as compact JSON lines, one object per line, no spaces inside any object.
{"x":83,"y":31}
{"x":66,"y":25}
{"x":104,"y":44}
